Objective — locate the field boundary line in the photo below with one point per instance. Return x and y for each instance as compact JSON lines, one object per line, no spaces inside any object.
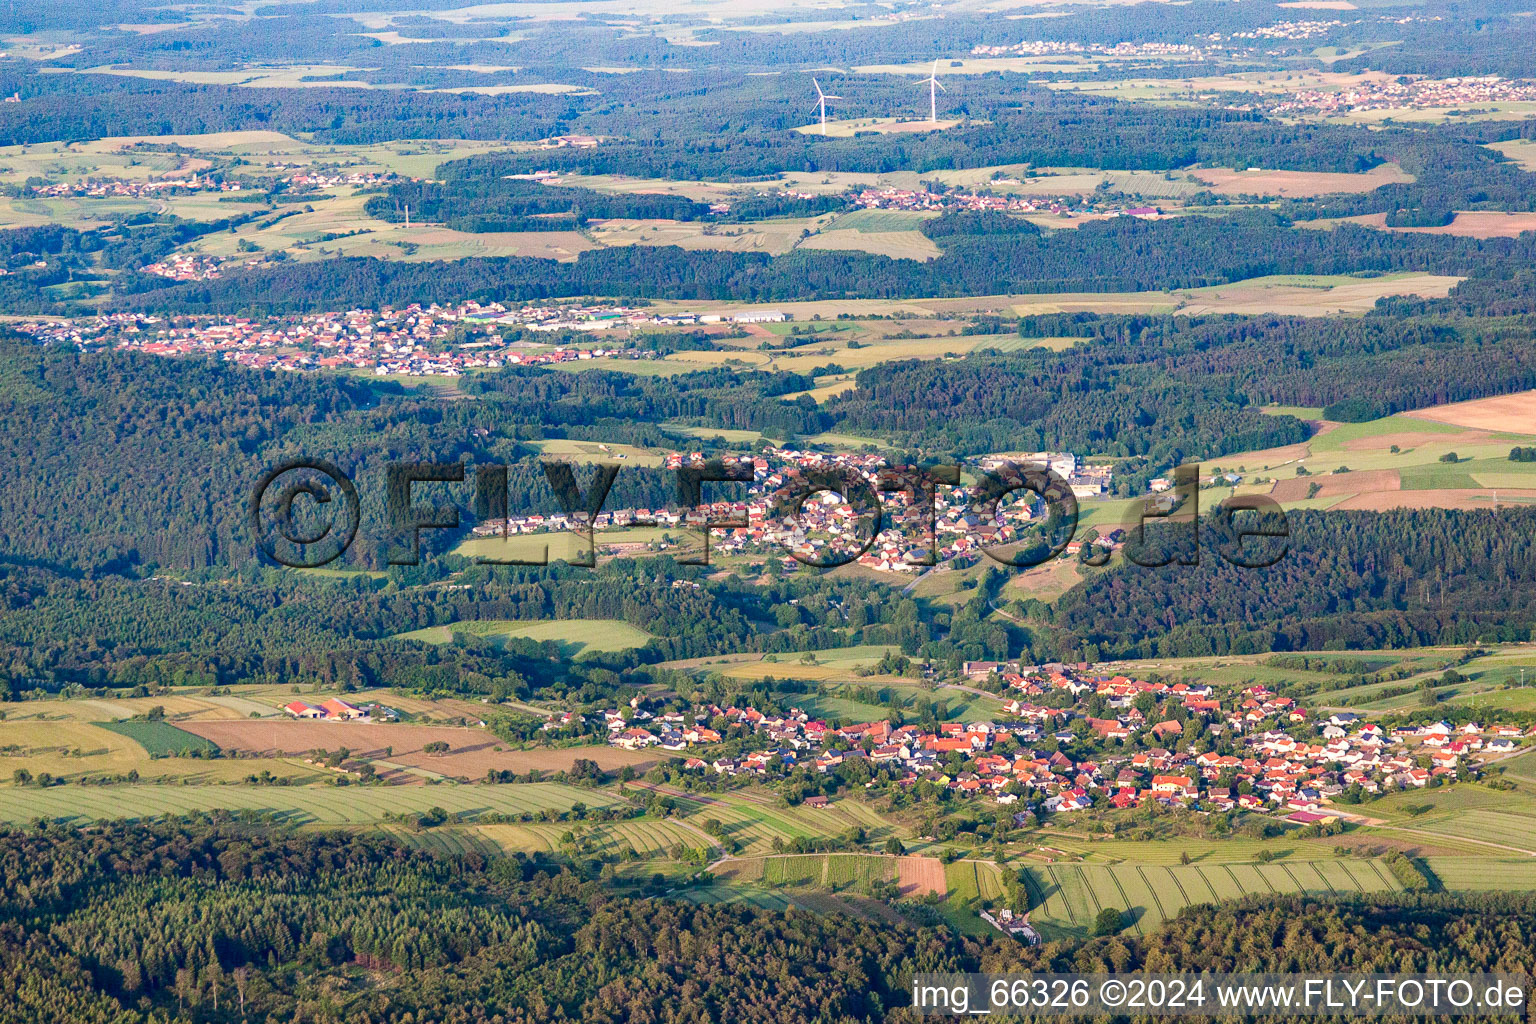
{"x":1180,"y":886}
{"x":1344,"y":865}
{"x":1300,"y":889}
{"x":1390,"y":881}
{"x":1051,"y":870}
{"x":1153,"y":890}
{"x":1032,"y":888}
{"x":1113,"y":877}
{"x":1200,"y":873}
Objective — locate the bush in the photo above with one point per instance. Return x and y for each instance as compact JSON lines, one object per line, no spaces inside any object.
{"x":1407,"y":872}
{"x":1109,"y":922}
{"x":1354,"y":410}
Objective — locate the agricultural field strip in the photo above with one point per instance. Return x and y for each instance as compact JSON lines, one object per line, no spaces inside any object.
{"x":1074,"y":898}
{"x":312,"y":804}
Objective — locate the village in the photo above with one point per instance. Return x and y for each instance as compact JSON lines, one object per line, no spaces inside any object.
{"x":1155,"y":742}
{"x":171,"y":184}
{"x":1064,"y":206}
{"x":1409,"y":94}
{"x":826,"y":529}
{"x":413,"y":341}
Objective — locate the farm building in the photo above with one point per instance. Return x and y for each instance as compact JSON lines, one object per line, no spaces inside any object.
{"x":340,"y":709}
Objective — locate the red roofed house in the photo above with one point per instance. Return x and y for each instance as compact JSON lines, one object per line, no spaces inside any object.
{"x":334,"y":708}
{"x":1173,"y":785}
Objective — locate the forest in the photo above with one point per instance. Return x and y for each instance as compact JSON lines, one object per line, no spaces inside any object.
{"x":1350,"y":580}
{"x":201,"y":920}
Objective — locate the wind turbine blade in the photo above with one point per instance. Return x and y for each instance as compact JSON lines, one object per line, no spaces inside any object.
{"x":940,"y":85}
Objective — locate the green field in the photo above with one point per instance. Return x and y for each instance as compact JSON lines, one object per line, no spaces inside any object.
{"x":565,"y":545}
{"x":755,"y":825}
{"x":160,"y":738}
{"x":827,"y":871}
{"x":1065,"y":898}
{"x":649,"y":839}
{"x":751,"y":895}
{"x":1504,"y":828}
{"x":971,"y":879}
{"x":1481,"y":874}
{"x":881,"y":220}
{"x":322,"y":805}
{"x":575,"y":636}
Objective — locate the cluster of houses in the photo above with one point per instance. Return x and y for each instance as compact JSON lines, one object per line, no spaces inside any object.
{"x":185,"y":267}
{"x":1053,"y":48}
{"x":340,"y":179}
{"x":149,"y":188}
{"x":118,"y":188}
{"x":334,"y":709}
{"x":1393,"y":94}
{"x":408,"y":341}
{"x":1267,"y":769}
{"x":1307,"y":28}
{"x":922,"y":199}
{"x":826,"y":529}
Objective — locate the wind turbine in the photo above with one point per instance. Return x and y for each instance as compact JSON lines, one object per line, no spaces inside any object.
{"x":932,"y":81}
{"x":821,"y":102}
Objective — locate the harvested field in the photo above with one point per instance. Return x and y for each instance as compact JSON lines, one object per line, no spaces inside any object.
{"x":1469,"y":224}
{"x":1303,"y":296}
{"x":471,"y":752}
{"x":1507,"y":413}
{"x":918,"y":876}
{"x":911,"y":245}
{"x":1296,"y":488}
{"x":1409,"y":439}
{"x":1452,"y":498}
{"x":1298,"y":184}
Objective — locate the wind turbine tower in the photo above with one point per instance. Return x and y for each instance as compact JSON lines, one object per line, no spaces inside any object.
{"x":932,"y":82}
{"x":821,"y":103}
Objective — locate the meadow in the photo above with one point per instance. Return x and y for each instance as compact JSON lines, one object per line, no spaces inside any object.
{"x":575,"y":636}
{"x":570,"y":546}
{"x":833,"y":663}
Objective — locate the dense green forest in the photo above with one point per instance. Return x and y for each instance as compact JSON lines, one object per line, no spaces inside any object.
{"x":1351,"y":580}
{"x":201,"y":921}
